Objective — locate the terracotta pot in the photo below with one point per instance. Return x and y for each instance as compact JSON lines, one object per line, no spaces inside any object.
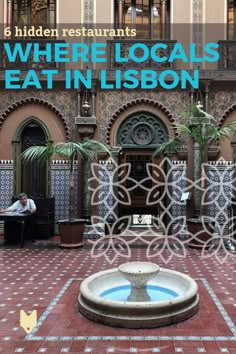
{"x":203,"y":235}
{"x":71,"y":233}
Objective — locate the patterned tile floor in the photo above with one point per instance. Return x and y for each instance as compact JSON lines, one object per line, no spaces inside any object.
{"x":43,"y":277}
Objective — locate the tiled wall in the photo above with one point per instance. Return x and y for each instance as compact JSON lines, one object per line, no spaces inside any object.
{"x":6,"y":184}
{"x":220,"y":177}
{"x":105,"y":173}
{"x":177,"y":187}
{"x":219,"y":180}
{"x":59,"y":187}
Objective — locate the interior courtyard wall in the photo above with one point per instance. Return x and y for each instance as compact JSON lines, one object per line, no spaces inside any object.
{"x":221,"y":98}
{"x":69,"y":11}
{"x":65,"y":101}
{"x":2,"y":15}
{"x":136,"y":109}
{"x":226,"y":150}
{"x":14,"y":120}
{"x":110,"y":101}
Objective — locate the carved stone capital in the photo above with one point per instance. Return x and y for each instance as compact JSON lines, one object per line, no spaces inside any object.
{"x":206,"y":84}
{"x":86,"y":131}
{"x":213,"y":152}
{"x":86,"y":121}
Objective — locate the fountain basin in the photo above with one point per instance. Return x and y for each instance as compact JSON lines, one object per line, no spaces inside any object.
{"x":140,"y":314}
{"x":139,"y":273}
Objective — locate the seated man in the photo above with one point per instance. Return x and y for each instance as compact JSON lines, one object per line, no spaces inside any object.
{"x":22,"y":205}
{"x":11,"y":229}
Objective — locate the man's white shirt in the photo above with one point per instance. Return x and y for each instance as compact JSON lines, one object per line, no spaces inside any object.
{"x":20,"y":208}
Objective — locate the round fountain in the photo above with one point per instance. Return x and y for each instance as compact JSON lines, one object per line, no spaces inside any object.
{"x":138,"y":274}
{"x":138,"y":295}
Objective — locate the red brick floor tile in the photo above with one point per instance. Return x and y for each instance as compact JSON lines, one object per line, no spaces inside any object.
{"x":192,"y":344}
{"x":225,"y":344}
{"x":78,"y":346}
{"x":56,"y":344}
{"x":53,"y":351}
{"x":211,"y":346}
{"x":100,"y":343}
{"x":167,"y":346}
{"x":32,"y":278}
{"x":32,"y":346}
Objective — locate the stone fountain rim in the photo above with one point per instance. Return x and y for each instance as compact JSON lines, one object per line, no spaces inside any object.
{"x":85,"y":291}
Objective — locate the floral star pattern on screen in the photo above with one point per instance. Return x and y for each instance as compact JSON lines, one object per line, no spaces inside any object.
{"x":168,"y":230}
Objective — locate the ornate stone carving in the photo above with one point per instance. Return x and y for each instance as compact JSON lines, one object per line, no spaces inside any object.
{"x":197,"y":28}
{"x":88,"y":11}
{"x":142,"y":134}
{"x":37,"y":5}
{"x":220,"y":103}
{"x":88,"y":20}
{"x":86,"y":132}
{"x":112,"y":103}
{"x":142,"y":129}
{"x":31,"y":100}
{"x":63,"y":102}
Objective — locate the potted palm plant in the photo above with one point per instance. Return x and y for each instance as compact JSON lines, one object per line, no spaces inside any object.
{"x":201,"y":128}
{"x":71,"y":230}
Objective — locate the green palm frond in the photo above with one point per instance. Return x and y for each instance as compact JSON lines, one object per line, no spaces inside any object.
{"x":41,"y":153}
{"x":227,"y":129}
{"x":172,"y":146}
{"x":203,"y":134}
{"x":182,"y":129}
{"x":69,"y":151}
{"x":94,"y":146}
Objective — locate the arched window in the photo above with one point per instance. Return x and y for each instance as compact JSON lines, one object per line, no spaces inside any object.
{"x":33,"y":175}
{"x":148,"y":17}
{"x":231,"y":20}
{"x":34,"y":13}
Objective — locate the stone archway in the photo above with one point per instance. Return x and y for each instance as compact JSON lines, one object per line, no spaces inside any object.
{"x":32,"y":178}
{"x":135,"y":106}
{"x":141,"y":130}
{"x":139,"y":136}
{"x":228,"y":146}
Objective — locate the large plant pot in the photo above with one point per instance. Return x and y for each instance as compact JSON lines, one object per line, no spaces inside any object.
{"x":201,"y":235}
{"x":71,"y":233}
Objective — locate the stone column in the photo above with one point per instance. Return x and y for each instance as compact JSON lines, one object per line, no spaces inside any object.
{"x":86,"y":204}
{"x":93,"y":103}
{"x":191,"y":96}
{"x":163,"y":18}
{"x":116,"y":150}
{"x":120,"y":13}
{"x":168,"y":167}
{"x":197,"y":175}
{"x":9,"y":13}
{"x":86,"y":123}
{"x":86,"y":132}
{"x":206,"y":103}
{"x":78,"y":104}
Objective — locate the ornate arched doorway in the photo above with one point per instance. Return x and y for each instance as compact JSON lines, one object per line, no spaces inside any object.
{"x":32,"y":178}
{"x":34,"y":174}
{"x":139,"y":136}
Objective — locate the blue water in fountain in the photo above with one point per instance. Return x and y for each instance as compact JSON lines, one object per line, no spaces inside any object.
{"x":121,"y":293}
